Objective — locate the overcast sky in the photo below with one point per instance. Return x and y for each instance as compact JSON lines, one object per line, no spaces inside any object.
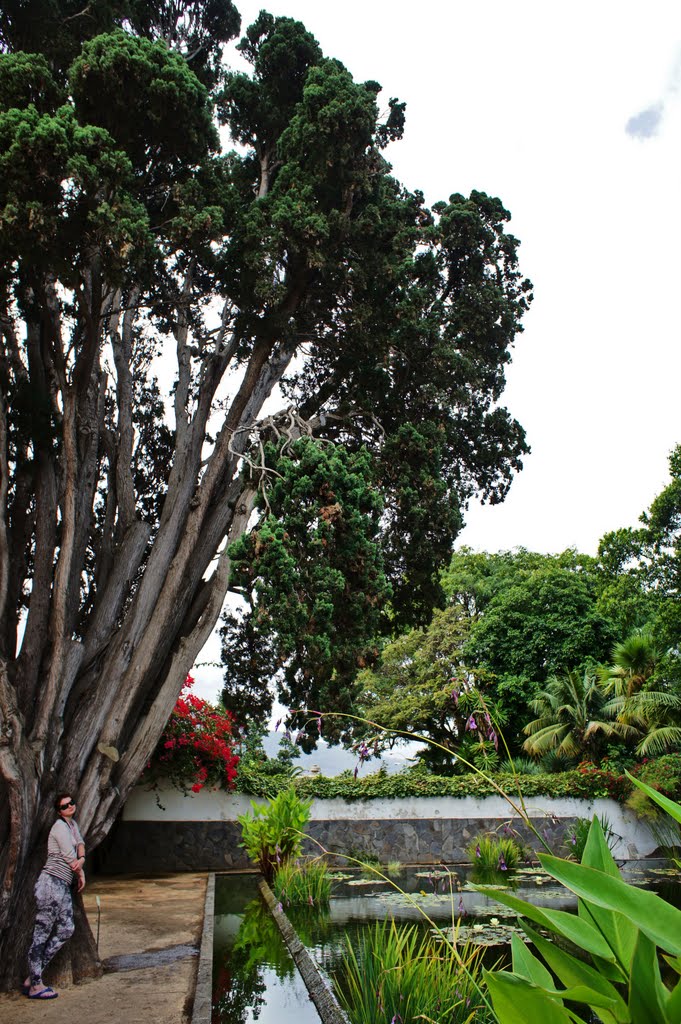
{"x":571,"y":114}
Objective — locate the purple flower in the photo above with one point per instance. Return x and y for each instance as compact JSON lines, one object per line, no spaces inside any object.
{"x":477,"y":851}
{"x":502,"y":863}
{"x":455,"y":696}
{"x":461,"y":910}
{"x":495,"y":739}
{"x":471,"y":724}
{"x":356,"y":770}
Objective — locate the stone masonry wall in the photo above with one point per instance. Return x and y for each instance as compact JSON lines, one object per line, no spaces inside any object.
{"x":160,"y":846}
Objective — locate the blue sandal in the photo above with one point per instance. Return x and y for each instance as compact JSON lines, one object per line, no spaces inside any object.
{"x":45,"y":993}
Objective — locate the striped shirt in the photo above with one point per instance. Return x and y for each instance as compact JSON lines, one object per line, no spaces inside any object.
{"x":62,"y":848}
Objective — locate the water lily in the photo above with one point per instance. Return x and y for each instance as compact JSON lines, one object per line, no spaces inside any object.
{"x":478,"y":927}
{"x":494,"y":921}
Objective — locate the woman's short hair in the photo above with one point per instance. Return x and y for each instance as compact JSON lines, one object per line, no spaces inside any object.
{"x":58,"y":799}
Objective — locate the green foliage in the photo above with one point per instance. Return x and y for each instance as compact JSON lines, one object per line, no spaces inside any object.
{"x":399,"y":974}
{"x":647,"y":712}
{"x":421,"y":685}
{"x":315,"y":571}
{"x":641,"y":568}
{"x":273,"y":833}
{"x":621,"y":929}
{"x":260,"y":775}
{"x":540,"y":623}
{"x":306,"y":882}
{"x":572,"y":718}
{"x":489,"y":852}
{"x":664,"y":776}
{"x":586,"y":782}
{"x":577,"y":835}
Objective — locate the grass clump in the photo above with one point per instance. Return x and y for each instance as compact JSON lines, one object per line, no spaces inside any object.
{"x":398,"y":973}
{"x":577,"y":834}
{"x":494,"y":853}
{"x":302,"y":882}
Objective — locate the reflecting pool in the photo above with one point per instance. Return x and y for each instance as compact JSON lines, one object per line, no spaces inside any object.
{"x":254,"y":976}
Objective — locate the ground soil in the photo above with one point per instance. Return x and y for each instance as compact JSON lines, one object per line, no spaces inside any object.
{"x":149,"y":936}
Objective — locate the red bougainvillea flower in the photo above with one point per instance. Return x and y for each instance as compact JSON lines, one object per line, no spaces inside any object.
{"x":197,"y":745}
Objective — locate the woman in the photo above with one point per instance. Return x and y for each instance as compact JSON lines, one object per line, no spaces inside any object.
{"x":54,"y":917}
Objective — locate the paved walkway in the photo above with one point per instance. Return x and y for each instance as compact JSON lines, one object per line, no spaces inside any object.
{"x":149,"y":936}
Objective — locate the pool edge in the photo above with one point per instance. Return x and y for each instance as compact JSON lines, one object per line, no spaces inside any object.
{"x":319,"y":992}
{"x":203,"y":993}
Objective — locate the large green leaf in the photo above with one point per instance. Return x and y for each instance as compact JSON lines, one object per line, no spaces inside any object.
{"x":518,"y":1001}
{"x":619,"y":933}
{"x":674,"y":1004}
{"x":573,"y":972}
{"x":648,"y":997}
{"x":654,"y":916}
{"x":560,"y":921}
{"x":597,"y":852}
{"x":527,"y":965}
{"x":670,"y":806}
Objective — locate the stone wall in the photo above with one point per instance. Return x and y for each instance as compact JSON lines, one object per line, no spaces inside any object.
{"x":170,"y":832}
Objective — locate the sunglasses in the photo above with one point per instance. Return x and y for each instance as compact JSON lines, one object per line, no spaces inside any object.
{"x":65,"y":807}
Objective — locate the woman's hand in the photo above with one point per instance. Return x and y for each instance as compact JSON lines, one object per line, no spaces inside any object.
{"x":81,"y":881}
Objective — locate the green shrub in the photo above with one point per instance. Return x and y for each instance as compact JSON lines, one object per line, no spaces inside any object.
{"x":576,"y":836}
{"x":302,"y":882}
{"x":398,"y":974}
{"x":587,"y":781}
{"x":272,"y":834}
{"x":490,"y":852}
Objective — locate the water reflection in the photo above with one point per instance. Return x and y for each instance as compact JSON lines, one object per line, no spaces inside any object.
{"x":254,"y":977}
{"x":256,"y":980}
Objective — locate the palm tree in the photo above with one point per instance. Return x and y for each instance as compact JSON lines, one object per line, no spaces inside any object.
{"x":570,"y":718}
{"x":634,"y":661}
{"x":642,"y":706}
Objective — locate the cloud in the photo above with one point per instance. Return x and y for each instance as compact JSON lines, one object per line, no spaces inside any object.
{"x":645,"y":124}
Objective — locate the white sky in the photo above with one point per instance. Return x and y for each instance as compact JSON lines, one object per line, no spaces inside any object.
{"x":529,"y":101}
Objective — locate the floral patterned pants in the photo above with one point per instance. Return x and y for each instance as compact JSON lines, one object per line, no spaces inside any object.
{"x":53,"y":923}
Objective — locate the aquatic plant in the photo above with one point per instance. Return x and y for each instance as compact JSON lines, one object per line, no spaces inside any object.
{"x":490,"y":852}
{"x":303,"y":882}
{"x":272,"y":833}
{"x":396,"y":973}
{"x":576,"y":836}
{"x":622,"y":929}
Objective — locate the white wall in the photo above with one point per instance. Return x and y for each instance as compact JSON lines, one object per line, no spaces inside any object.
{"x":636,"y":839}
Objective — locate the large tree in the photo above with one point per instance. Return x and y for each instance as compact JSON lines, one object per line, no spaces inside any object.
{"x":155,"y":290}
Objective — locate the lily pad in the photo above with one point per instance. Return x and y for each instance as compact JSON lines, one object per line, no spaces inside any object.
{"x":480,"y":934}
{"x":436,"y":874}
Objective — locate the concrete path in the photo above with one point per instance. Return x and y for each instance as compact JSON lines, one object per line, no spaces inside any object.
{"x":149,"y":938}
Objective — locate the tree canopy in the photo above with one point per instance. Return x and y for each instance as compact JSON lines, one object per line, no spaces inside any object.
{"x":156,"y":288}
{"x":591,"y":644}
